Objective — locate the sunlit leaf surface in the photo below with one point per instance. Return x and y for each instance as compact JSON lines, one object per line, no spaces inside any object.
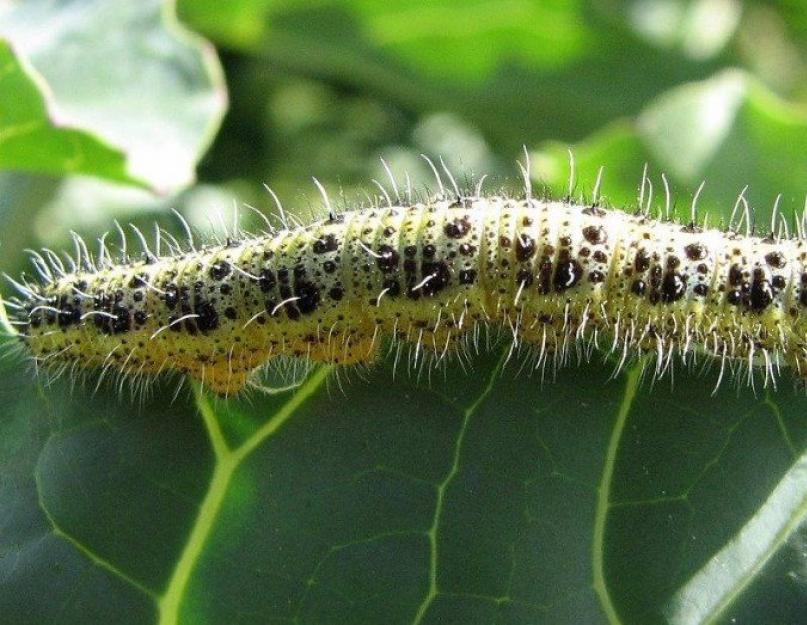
{"x":121,"y":74}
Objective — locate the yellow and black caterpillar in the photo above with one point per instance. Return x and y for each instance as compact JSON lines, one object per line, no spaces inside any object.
{"x":554,"y":274}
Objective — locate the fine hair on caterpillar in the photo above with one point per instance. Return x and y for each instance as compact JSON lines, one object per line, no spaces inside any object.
{"x":428,"y":276}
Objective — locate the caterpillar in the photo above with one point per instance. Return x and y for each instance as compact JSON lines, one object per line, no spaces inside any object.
{"x":558,"y":275}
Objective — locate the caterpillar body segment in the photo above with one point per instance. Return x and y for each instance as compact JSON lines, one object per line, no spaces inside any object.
{"x":554,"y":274}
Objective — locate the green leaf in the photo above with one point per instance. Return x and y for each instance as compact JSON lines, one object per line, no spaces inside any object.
{"x":728,"y":130}
{"x":518,"y":71}
{"x":30,"y":139}
{"x":722,"y":580}
{"x":703,"y":114}
{"x":485,"y":498}
{"x":546,"y":34}
{"x":699,"y":29}
{"x":125,"y":93}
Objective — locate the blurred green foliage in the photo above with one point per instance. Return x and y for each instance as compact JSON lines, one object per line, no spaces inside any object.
{"x":477,"y":498}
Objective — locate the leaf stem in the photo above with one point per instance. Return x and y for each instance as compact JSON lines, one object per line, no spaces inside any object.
{"x":604,"y":495}
{"x":227,"y":462}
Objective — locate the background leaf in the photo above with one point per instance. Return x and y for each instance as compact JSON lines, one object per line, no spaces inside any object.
{"x":125,"y":72}
{"x":484,"y":494}
{"x":30,"y":140}
{"x":731,"y":132}
{"x":526,"y":75}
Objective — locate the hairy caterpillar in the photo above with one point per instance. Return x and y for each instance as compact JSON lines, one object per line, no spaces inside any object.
{"x":555,"y":274}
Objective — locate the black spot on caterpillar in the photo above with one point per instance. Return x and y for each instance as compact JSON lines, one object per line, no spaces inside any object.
{"x":554,"y":274}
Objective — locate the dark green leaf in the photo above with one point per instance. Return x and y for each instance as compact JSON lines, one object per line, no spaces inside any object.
{"x":485,"y":498}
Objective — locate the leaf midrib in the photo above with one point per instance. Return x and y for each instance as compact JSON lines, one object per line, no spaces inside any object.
{"x":227,"y":461}
{"x":604,"y":496}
